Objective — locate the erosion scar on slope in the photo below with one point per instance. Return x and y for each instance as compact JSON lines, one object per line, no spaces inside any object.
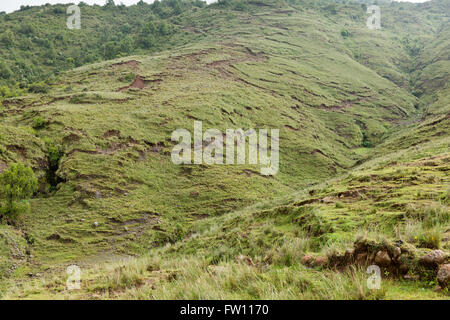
{"x":139,"y":83}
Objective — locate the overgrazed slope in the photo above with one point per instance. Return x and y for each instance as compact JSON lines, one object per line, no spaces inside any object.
{"x":337,"y":100}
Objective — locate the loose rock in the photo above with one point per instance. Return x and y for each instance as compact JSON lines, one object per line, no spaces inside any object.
{"x":382,"y":259}
{"x":443,"y":275}
{"x":403,"y":268}
{"x":320,"y":261}
{"x":307,"y":259}
{"x":194,"y":194}
{"x":433,"y":259}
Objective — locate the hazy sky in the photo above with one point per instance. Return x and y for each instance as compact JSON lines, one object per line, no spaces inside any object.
{"x":13,"y":5}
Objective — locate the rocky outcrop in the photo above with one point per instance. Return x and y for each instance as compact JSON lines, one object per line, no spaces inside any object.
{"x":396,"y":259}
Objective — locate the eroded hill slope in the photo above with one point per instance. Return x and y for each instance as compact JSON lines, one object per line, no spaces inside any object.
{"x":338,"y":99}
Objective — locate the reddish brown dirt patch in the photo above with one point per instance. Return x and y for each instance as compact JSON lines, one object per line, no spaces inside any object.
{"x":130,"y":63}
{"x":111,"y":133}
{"x":155,"y":147}
{"x":194,"y":194}
{"x":138,"y":83}
{"x":304,"y":202}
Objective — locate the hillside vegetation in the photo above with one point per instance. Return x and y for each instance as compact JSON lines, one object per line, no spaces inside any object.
{"x":364,"y":150}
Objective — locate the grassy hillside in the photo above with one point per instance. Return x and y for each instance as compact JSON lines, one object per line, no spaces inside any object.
{"x":37,"y":45}
{"x":290,"y":248}
{"x":364,"y":126}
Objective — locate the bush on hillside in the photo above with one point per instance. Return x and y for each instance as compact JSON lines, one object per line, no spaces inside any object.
{"x":39,"y":87}
{"x":17,"y":184}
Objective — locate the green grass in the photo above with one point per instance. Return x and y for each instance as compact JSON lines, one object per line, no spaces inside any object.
{"x":360,"y":154}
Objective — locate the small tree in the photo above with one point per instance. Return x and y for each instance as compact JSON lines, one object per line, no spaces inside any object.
{"x":16,"y":184}
{"x":110,"y":4}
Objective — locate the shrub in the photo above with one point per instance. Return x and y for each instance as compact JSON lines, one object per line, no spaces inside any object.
{"x":366,"y":142}
{"x":5,"y":71}
{"x":16,"y":184}
{"x":39,"y":87}
{"x":147,"y":41}
{"x":38,"y":123}
{"x":331,"y":8}
{"x":27,"y":29}
{"x":7,"y":38}
{"x":59,"y":10}
{"x":54,"y":154}
{"x":164,"y":28}
{"x":240,"y":6}
{"x":345,"y":33}
{"x":129,"y":77}
{"x":6,"y":92}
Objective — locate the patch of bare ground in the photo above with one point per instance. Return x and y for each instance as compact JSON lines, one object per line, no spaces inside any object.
{"x":434,"y":161}
{"x":71,"y":138}
{"x":249,"y":172}
{"x":194,"y":61}
{"x":341,"y":108}
{"x":3,"y":166}
{"x":318,"y":151}
{"x":21,"y":151}
{"x":133,"y":64}
{"x":192,"y":30}
{"x":139,"y":83}
{"x":58,"y":238}
{"x":138,"y":225}
{"x":154,"y":147}
{"x":124,"y":144}
{"x":111,"y":133}
{"x":355,"y":193}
